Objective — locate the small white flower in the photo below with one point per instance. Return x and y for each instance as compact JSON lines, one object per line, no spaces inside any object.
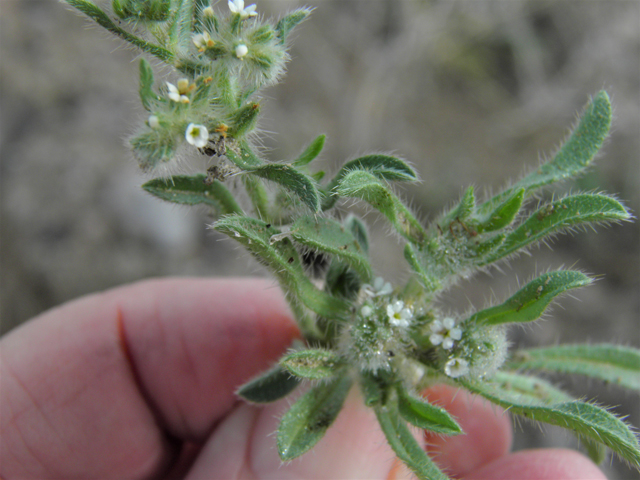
{"x":153,"y":121}
{"x":399,"y":316}
{"x":202,"y":41}
{"x":366,"y":311}
{"x":197,"y":135}
{"x":175,"y":95}
{"x":445,"y":332}
{"x":456,"y":367}
{"x":237,"y":6}
{"x":241,"y":50}
{"x":379,"y":288}
{"x":208,"y":12}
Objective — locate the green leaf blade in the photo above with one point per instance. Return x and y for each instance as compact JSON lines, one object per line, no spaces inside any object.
{"x":310,"y":417}
{"x":530,"y":302}
{"x":422,"y":414}
{"x":313,"y":363}
{"x":311,"y":152}
{"x":405,"y":445}
{"x":268,"y":387}
{"x":192,"y":190}
{"x":330,"y":236}
{"x":612,"y":363}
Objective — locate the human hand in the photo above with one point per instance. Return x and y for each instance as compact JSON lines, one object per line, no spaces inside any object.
{"x":139,"y":382}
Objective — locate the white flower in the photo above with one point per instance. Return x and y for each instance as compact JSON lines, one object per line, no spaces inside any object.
{"x":456,"y":367}
{"x":237,"y":6}
{"x":379,"y":288}
{"x":197,"y":135}
{"x":202,"y":41}
{"x":153,"y":121}
{"x":208,"y":12}
{"x":445,"y":332}
{"x":399,"y":316}
{"x":175,"y":95}
{"x":241,"y":50}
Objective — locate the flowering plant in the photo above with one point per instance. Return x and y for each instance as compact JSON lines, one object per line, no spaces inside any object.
{"x":356,"y":328}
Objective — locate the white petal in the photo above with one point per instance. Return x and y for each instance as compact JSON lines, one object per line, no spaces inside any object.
{"x":447,"y":343}
{"x":366,"y":311}
{"x":448,"y":323}
{"x":436,"y":338}
{"x":456,"y":367}
{"x":390,"y":311}
{"x":153,"y":121}
{"x":250,"y":11}
{"x":406,"y":314}
{"x":455,"y":333}
{"x":241,"y":50}
{"x":436,"y":326}
{"x":378,"y":283}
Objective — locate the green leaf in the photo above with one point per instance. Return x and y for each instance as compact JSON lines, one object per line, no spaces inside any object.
{"x":405,"y":445}
{"x":311,"y":152}
{"x":374,"y":388}
{"x":102,"y":19}
{"x":268,"y":387}
{"x":243,"y":120}
{"x":329,"y":236}
{"x":297,"y":183}
{"x":462,"y":211}
{"x":278,"y":253}
{"x":382,"y":167}
{"x":573,"y":157}
{"x":530,"y":302}
{"x":415,"y":259}
{"x":503,"y":214}
{"x":258,"y":195}
{"x":359,"y":231}
{"x":612,"y":363}
{"x":313,"y":363}
{"x":422,"y":414}
{"x":193,"y":191}
{"x":310,"y":417}
{"x":559,"y":215}
{"x":147,"y":96}
{"x":181,"y":22}
{"x":290,"y":21}
{"x":366,"y":186}
{"x":537,"y":400}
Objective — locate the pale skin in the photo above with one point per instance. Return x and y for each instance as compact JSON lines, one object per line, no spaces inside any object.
{"x":138,"y":382}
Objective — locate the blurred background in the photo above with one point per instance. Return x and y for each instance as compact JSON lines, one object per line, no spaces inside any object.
{"x":471,"y":92}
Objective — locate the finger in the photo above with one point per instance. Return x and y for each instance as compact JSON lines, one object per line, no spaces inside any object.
{"x":542,"y":464}
{"x":244,"y":447}
{"x":487,"y":431}
{"x":100,"y":387}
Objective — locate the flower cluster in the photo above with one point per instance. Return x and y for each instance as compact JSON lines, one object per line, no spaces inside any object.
{"x":445,"y":333}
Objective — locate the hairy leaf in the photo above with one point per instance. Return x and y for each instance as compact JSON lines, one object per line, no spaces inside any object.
{"x":310,"y":417}
{"x":365,"y":186}
{"x":311,"y":152}
{"x":537,"y":400}
{"x":503,"y":214}
{"x":422,"y":414}
{"x":559,"y":215}
{"x":147,"y":96}
{"x":290,"y":21}
{"x":329,"y":236}
{"x":611,"y":363}
{"x":193,"y":190}
{"x":268,"y":387}
{"x":405,"y":445}
{"x":312,"y":363}
{"x":530,"y":302}
{"x":359,"y":231}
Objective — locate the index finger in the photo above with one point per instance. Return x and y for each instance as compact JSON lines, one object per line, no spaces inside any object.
{"x":105,"y":384}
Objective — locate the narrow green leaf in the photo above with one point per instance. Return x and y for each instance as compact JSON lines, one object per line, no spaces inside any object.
{"x":374,"y":388}
{"x":530,"y":302}
{"x":537,"y":400}
{"x":612,"y":363}
{"x":279,"y":254}
{"x":193,"y":190}
{"x":414,"y":258}
{"x":290,"y":21}
{"x":147,"y":96}
{"x":366,"y":186}
{"x":359,"y":231}
{"x":462,"y":211}
{"x":102,"y":19}
{"x":258,"y":195}
{"x":311,"y":152}
{"x":313,"y":363}
{"x":243,"y":120}
{"x":181,"y":22}
{"x":422,"y":414}
{"x":382,"y":167}
{"x":573,"y":157}
{"x":558,"y":216}
{"x":503,"y":214}
{"x":405,"y":445}
{"x":297,"y":183}
{"x":330,"y":236}
{"x":268,"y":387}
{"x":310,"y":417}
